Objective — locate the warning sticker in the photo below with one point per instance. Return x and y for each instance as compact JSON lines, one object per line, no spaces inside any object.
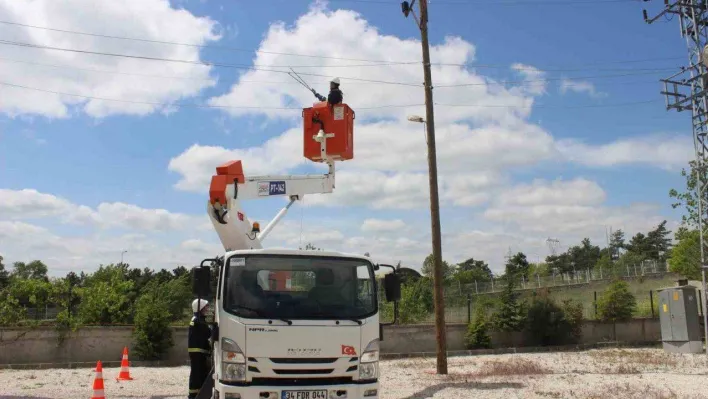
{"x":338,"y":113}
{"x":675,"y":296}
{"x":665,"y":308}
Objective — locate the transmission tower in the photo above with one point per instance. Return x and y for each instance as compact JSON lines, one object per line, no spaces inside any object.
{"x":553,"y":244}
{"x":685,"y":90}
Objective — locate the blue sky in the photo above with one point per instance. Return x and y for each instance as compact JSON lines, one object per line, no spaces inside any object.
{"x":613,"y":161}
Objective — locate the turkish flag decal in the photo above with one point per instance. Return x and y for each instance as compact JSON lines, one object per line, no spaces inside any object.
{"x":240,"y":216}
{"x":348,"y":350}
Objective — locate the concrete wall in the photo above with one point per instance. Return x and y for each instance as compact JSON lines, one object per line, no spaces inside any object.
{"x":89,"y":344}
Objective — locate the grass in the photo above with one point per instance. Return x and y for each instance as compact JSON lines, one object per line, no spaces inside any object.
{"x":632,"y":358}
{"x":627,"y":390}
{"x":511,"y":367}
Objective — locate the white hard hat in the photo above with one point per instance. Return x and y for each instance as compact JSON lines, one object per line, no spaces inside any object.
{"x":335,"y":81}
{"x":199,"y":304}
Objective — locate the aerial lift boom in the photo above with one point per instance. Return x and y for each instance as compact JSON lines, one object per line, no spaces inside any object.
{"x":230,"y":185}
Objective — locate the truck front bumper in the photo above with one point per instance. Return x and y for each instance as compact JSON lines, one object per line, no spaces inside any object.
{"x":348,"y":391}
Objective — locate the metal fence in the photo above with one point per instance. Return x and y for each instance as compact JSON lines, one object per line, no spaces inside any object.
{"x":576,"y":277}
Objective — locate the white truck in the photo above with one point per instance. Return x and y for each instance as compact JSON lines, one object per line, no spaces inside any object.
{"x":289,"y":324}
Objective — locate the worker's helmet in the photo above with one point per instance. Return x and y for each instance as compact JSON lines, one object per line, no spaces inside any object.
{"x":335,"y":81}
{"x":199,"y":304}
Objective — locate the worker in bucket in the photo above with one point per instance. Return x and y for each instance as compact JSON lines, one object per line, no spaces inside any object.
{"x":199,"y":342}
{"x":335,"y":95}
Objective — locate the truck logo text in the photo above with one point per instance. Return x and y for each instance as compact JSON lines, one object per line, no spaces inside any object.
{"x":304,"y":352}
{"x":261,"y":329}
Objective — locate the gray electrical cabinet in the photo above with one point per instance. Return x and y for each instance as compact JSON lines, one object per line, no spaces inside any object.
{"x":680,"y":325}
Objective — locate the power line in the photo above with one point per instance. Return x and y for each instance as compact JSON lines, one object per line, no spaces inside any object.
{"x":373,"y":62}
{"x":194,"y":105}
{"x":209,"y":80}
{"x":204,"y":63}
{"x":73,"y":32}
{"x":549,"y":79}
{"x":179,"y":105}
{"x":246,"y":67}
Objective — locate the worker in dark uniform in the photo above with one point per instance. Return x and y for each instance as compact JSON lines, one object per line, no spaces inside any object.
{"x":199,"y":347}
{"x":335,"y":95}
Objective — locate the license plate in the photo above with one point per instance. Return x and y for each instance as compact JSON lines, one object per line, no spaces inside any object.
{"x":321,"y":394}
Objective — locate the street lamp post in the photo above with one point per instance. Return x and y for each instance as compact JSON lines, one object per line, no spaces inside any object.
{"x":121,"y":257}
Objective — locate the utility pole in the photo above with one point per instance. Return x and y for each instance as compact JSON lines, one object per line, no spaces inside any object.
{"x":440,"y":330}
{"x":688,"y":93}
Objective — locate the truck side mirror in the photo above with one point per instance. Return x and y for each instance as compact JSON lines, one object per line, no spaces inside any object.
{"x":201,"y":281}
{"x":392,"y":285}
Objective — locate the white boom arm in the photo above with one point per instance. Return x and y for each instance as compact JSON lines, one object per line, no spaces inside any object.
{"x":229,"y":186}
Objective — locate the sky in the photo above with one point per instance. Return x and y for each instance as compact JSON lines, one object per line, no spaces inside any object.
{"x":549,"y":123}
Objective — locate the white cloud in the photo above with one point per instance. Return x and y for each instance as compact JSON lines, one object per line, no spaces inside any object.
{"x":580,"y":86}
{"x":534,"y":78}
{"x":578,"y":191}
{"x":381,"y":225}
{"x":31,"y":204}
{"x":197,"y":164}
{"x":573,"y":208}
{"x":351,"y":37}
{"x":146,"y":19}
{"x":662,"y":150}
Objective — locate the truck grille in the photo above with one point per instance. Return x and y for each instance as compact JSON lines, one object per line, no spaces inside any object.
{"x":305,"y":370}
{"x":303,"y":360}
{"x":300,"y":372}
{"x":301,"y":381}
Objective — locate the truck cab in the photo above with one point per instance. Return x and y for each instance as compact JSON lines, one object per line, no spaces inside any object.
{"x":294,"y":324}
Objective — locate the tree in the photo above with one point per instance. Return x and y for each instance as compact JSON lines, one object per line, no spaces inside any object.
{"x":4,"y":275}
{"x":472,"y":270}
{"x":617,"y":303}
{"x":510,"y":315}
{"x":546,"y":323}
{"x":35,"y":270}
{"x":617,"y":244}
{"x":477,"y":336}
{"x":659,"y":243}
{"x":427,"y":268}
{"x":542,"y":269}
{"x":105,"y":298}
{"x":517,"y":266}
{"x":640,"y":246}
{"x":153,"y":335}
{"x":688,"y":198}
{"x":560,"y":263}
{"x":685,"y":257}
{"x":416,"y":301}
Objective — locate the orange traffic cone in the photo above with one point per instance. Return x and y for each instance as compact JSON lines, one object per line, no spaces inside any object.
{"x":124,"y":372}
{"x":98,"y":383}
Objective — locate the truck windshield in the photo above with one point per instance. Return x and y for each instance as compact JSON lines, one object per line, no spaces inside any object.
{"x":299,"y":287}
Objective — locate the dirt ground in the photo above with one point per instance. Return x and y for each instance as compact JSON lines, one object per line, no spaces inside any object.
{"x":606,"y":374}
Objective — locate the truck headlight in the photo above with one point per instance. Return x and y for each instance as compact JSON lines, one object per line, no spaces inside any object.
{"x":233,"y":361}
{"x":369,"y":371}
{"x":369,"y":362}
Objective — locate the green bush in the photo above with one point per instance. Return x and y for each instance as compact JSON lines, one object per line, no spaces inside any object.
{"x":477,"y":336}
{"x":617,"y":303}
{"x":416,"y":301}
{"x":546,"y":323}
{"x":573,"y":312}
{"x":152,"y":333}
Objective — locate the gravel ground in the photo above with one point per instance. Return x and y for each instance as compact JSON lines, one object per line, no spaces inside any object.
{"x":606,"y":374}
